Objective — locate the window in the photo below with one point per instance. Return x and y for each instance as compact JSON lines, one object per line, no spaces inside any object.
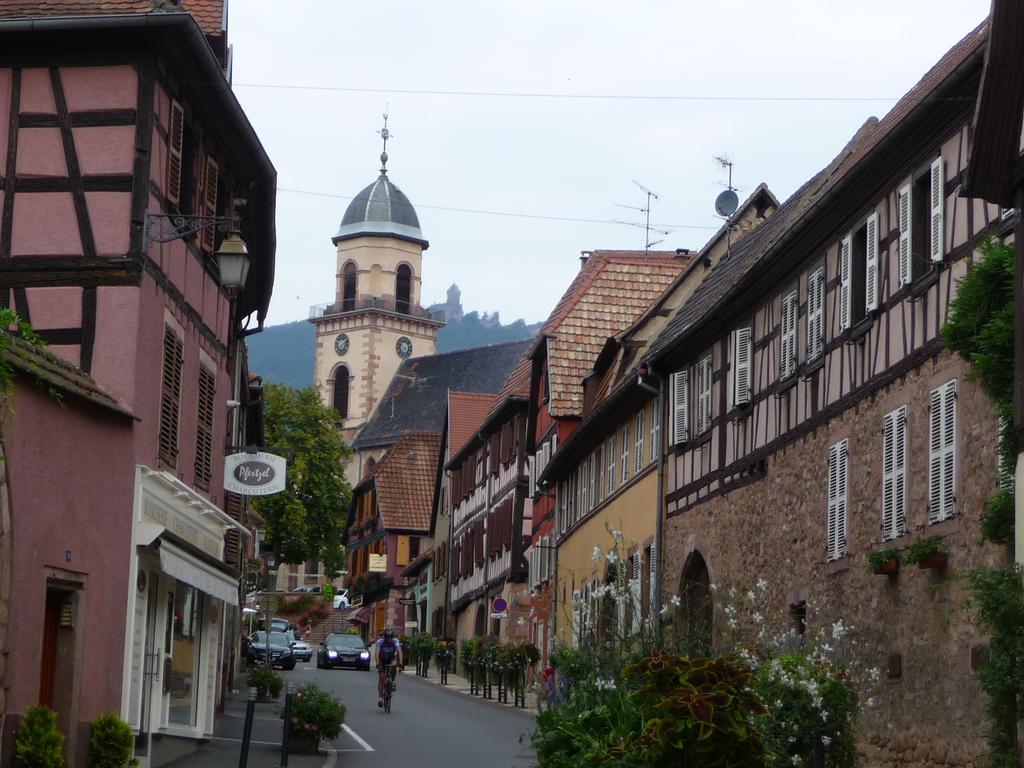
{"x":922,"y":222}
{"x":403,"y":288}
{"x":340,"y":396}
{"x":787,"y":334}
{"x":816,"y":313}
{"x":348,"y":287}
{"x":942,"y":453}
{"x":625,"y":455}
{"x":611,"y":465}
{"x":679,"y":407}
{"x":639,"y":446}
{"x":894,"y":474}
{"x":837,"y":483}
{"x":704,"y":375}
{"x":741,"y":354}
{"x":170,"y":396}
{"x":185,"y":622}
{"x":858,"y":273}
{"x":204,"y":428}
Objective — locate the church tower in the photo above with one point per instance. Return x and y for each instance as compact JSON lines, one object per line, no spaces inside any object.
{"x":376,"y":320}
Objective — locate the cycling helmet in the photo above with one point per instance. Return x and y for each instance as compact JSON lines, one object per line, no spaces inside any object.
{"x":389,"y":634}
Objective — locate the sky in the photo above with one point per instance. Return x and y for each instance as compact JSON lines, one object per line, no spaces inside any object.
{"x":522,"y":131}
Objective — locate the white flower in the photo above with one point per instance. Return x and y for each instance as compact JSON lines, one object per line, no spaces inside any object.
{"x":751,"y":596}
{"x":612,"y":557}
{"x":796,"y":760}
{"x":757,"y":617}
{"x":674,"y":601}
{"x":597,"y":554}
{"x":713,"y":587}
{"x":664,"y":610}
{"x":603,"y":684}
{"x":617,"y":535}
{"x":825,"y":740}
{"x":762,"y":584}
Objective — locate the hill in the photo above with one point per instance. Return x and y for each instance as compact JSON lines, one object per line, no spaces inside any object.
{"x":284,"y":354}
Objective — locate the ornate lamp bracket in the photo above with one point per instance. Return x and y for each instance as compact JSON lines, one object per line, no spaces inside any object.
{"x":165,"y":227}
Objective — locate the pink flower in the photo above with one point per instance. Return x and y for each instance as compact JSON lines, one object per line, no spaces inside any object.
{"x":295,"y":721}
{"x":313,"y":728}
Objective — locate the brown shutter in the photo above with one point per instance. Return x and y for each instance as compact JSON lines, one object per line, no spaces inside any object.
{"x":495,"y":452}
{"x":209,"y":200}
{"x":170,"y":397}
{"x":204,"y":428}
{"x":480,"y":542}
{"x":174,"y":142}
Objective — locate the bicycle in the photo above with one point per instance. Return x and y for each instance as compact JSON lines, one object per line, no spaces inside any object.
{"x":389,"y":686}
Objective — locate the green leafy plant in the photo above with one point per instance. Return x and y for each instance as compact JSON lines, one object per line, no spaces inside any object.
{"x":922,"y":548}
{"x":39,"y":743}
{"x":880,"y":557}
{"x":997,"y":525}
{"x":470,"y":650}
{"x":265,"y":680}
{"x":111,"y":743}
{"x":316,"y":713}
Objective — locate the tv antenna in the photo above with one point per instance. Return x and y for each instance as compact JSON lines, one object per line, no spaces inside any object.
{"x":727,"y":202}
{"x":646,"y":211}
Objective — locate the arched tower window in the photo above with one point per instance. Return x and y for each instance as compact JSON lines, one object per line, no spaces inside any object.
{"x":348,"y":287}
{"x":403,"y":288}
{"x":340,"y":399}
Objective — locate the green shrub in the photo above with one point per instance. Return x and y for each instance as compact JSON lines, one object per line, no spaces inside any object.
{"x":111,"y":743}
{"x":265,"y":680}
{"x":316,"y":712}
{"x":882,"y":556}
{"x":921,"y":549}
{"x":39,"y":744}
{"x":997,"y":525}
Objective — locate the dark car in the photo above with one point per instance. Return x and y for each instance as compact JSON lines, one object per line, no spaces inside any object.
{"x":280,"y":649}
{"x":341,"y":650}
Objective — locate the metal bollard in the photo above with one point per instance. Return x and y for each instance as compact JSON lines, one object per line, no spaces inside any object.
{"x":250,"y":708}
{"x":287,"y":724}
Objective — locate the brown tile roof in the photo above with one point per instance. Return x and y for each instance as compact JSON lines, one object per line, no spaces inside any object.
{"x":208,"y":13}
{"x":466,"y":411}
{"x":405,"y":481}
{"x":58,"y":373}
{"x":611,"y":290}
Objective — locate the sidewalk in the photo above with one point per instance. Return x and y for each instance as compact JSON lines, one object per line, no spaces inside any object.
{"x":460,"y":684}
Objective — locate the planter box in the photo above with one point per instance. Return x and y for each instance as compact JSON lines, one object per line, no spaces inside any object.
{"x":934,"y":560}
{"x":303,"y":744}
{"x":889,"y":567}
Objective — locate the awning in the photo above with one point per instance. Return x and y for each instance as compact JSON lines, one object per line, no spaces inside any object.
{"x":362,"y":616}
{"x":184,"y":567}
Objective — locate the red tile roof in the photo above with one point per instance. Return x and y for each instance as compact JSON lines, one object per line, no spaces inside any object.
{"x":208,"y":13}
{"x":404,"y":478}
{"x":466,"y":411}
{"x":611,"y":291}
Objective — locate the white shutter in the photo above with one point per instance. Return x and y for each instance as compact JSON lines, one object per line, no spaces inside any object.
{"x":844,"y":282}
{"x":871,"y":265}
{"x":937,"y":200}
{"x":656,"y":430}
{"x":532,"y":463}
{"x":652,"y":571}
{"x":904,"y":216}
{"x":634,"y":590}
{"x":639,"y":448}
{"x":942,"y":453}
{"x":577,"y":618}
{"x":815,"y":313}
{"x":787,"y":335}
{"x":841,"y":500}
{"x":899,"y":490}
{"x":704,"y":376}
{"x":741,"y":366}
{"x":680,"y":407}
{"x":611,"y":465}
{"x":625,"y":455}
{"x":837,"y":466}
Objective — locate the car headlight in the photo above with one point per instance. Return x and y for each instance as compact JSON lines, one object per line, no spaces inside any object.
{"x":364,"y":655}
{"x":332,"y":654}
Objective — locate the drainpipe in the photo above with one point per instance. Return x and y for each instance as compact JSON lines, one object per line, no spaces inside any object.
{"x":643,"y":372}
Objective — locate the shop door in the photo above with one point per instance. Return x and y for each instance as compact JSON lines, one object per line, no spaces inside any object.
{"x":150,"y":670}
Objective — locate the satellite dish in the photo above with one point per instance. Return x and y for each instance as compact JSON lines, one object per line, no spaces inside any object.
{"x":726,"y":203}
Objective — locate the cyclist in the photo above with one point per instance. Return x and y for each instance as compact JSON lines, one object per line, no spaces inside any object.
{"x":386,"y":652}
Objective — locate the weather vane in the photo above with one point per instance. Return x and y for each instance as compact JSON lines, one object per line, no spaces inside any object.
{"x":385,"y":135}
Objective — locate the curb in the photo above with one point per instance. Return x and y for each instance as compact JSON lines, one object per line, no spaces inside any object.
{"x":525,"y":711}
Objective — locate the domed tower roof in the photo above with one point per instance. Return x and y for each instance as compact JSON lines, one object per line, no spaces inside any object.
{"x":381,"y":210}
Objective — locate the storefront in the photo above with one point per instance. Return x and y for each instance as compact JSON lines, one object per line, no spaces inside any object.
{"x":182,"y":595}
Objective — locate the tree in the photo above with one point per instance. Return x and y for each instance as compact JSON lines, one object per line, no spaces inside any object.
{"x":306,"y":521}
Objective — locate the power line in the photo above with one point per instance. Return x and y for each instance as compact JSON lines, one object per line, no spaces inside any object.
{"x":498,"y":213}
{"x":529,"y":95}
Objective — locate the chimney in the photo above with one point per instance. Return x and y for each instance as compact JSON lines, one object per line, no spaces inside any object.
{"x":584,"y":255}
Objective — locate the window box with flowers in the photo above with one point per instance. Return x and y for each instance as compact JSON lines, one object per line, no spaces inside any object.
{"x":884,"y":561}
{"x":315,"y":716}
{"x":926,"y":553}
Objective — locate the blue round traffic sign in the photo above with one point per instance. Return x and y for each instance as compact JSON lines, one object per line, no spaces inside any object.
{"x":499,"y":605}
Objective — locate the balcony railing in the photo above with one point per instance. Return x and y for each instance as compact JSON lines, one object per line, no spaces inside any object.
{"x":386,"y":304}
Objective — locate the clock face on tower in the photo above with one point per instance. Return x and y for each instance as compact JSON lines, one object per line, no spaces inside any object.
{"x":403,"y":346}
{"x":341,"y":344}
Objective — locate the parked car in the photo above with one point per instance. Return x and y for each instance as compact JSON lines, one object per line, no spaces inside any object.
{"x":341,"y":650}
{"x":276,"y":625}
{"x":280,"y":649}
{"x":301,"y":650}
{"x":341,"y":599}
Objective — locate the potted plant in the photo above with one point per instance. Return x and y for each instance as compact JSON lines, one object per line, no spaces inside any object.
{"x":315,"y":715}
{"x":111,"y":743}
{"x":266,"y":681}
{"x":39,"y":743}
{"x":926,"y":553}
{"x":884,"y":561}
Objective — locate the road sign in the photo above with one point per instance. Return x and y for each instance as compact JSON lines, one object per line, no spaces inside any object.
{"x":378,"y":563}
{"x":499,"y":605}
{"x":411,"y":625}
{"x":501,"y":615}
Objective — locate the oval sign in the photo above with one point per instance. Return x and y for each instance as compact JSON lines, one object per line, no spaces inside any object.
{"x":499,"y":605}
{"x":254,"y":474}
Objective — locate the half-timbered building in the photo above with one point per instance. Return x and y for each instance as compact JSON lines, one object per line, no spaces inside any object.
{"x":815,"y":417}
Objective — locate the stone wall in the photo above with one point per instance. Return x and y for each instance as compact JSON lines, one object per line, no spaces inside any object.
{"x":915,"y":627}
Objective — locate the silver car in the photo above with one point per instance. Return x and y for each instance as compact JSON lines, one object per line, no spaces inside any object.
{"x":301,"y":650}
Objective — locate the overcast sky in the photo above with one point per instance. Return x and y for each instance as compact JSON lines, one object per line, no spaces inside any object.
{"x":490,"y":113}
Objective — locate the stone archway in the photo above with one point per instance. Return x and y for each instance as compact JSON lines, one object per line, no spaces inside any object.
{"x":480,"y":623}
{"x":697,"y":607}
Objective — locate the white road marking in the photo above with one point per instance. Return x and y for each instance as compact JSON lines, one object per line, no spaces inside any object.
{"x":358,"y":739}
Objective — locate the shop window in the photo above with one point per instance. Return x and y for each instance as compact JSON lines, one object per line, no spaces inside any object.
{"x":186,"y":635}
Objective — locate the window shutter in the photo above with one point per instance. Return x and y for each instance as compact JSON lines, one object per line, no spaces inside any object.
{"x":634,"y":590}
{"x":656,"y":430}
{"x":904,"y":216}
{"x":532,"y":464}
{"x":935,"y":456}
{"x":815,"y":313}
{"x":888,"y":466}
{"x":787,"y":336}
{"x":402,"y":556}
{"x":871,"y":265}
{"x":652,"y":567}
{"x":938,"y":204}
{"x":837,"y":467}
{"x":841,"y":499}
{"x":741,"y":367}
{"x":625,"y":455}
{"x":576,"y":617}
{"x":611,"y":465}
{"x":639,"y":448}
{"x":204,"y":428}
{"x":170,"y":397}
{"x":942,"y":453}
{"x":844,"y":283}
{"x":209,"y":201}
{"x":679,"y":407}
{"x":704,"y":377}
{"x":174,"y":144}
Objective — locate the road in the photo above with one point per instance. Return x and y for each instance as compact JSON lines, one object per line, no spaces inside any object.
{"x":428,"y":726}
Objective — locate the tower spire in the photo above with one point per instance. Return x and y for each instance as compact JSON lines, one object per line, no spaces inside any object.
{"x":385,"y":135}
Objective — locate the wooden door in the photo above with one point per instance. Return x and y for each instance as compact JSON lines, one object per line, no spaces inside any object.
{"x":48,"y":664}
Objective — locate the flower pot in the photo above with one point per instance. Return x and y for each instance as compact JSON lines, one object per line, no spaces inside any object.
{"x":304,"y":743}
{"x":889,"y":567}
{"x":934,"y":560}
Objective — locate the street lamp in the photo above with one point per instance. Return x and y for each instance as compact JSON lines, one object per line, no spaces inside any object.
{"x":232,"y":256}
{"x":233,"y":260}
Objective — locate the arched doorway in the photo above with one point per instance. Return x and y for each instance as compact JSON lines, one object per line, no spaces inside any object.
{"x":480,"y":624}
{"x":403,"y":288}
{"x":339,"y":399}
{"x":697,"y":606}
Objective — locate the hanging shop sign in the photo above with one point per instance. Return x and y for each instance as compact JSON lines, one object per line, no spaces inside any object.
{"x":254,"y":474}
